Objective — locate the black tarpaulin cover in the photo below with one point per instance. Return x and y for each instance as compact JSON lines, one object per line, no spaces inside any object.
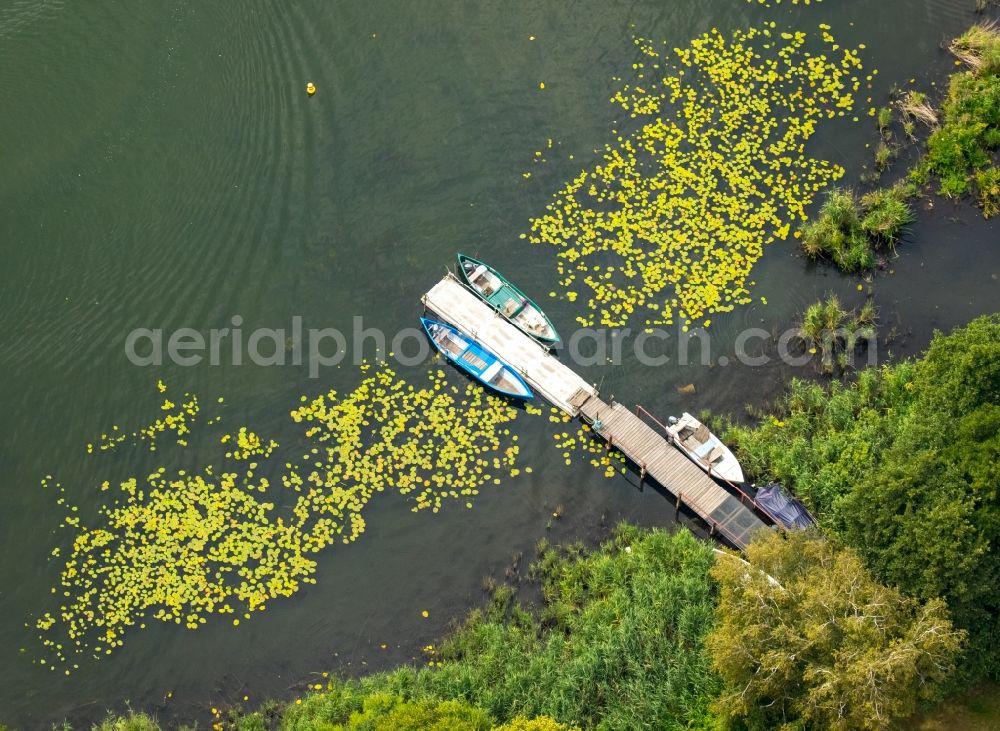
{"x":784,"y":507}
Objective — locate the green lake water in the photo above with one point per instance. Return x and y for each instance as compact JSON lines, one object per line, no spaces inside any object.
{"x":161,"y":166}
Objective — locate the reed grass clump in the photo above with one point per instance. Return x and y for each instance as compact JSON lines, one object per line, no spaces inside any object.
{"x":131,"y":721}
{"x":914,"y":105}
{"x":979,"y":47}
{"x":883,"y":156}
{"x":850,"y":232}
{"x":835,"y":332}
{"x":884,"y":119}
{"x":886,"y":212}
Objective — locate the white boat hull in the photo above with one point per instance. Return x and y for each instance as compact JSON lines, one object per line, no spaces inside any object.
{"x":705,"y":449}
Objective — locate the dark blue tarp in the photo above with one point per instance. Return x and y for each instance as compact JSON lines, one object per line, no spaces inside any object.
{"x":789,"y":511}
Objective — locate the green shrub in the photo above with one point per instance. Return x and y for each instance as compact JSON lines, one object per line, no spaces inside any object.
{"x":542,"y":723}
{"x":848,"y":231}
{"x":952,"y":150}
{"x":129,"y":722}
{"x":385,"y":712}
{"x":988,"y":185}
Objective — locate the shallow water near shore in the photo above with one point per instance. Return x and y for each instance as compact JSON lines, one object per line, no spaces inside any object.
{"x":164,"y":168}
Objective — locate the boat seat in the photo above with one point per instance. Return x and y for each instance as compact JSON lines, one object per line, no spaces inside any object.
{"x":490,"y":372}
{"x":704,"y":449}
{"x":702,"y":434}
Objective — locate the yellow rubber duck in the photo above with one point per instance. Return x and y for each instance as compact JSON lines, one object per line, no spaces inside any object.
{"x":310,"y":88}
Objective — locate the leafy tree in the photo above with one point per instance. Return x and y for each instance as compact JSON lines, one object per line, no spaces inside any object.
{"x":904,"y":466}
{"x":807,"y":639}
{"x":928,"y":520}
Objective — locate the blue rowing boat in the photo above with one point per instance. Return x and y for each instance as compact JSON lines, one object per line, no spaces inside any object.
{"x":476,"y":360}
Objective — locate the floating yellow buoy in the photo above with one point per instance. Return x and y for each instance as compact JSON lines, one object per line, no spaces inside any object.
{"x":310,"y":88}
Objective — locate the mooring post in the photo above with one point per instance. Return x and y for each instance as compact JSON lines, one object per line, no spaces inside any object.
{"x":642,"y":476}
{"x":677,"y":508}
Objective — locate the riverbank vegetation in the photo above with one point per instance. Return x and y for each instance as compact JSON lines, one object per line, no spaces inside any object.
{"x":904,"y":466}
{"x":654,"y":630}
{"x":617,"y":643}
{"x":961,"y":153}
{"x":962,"y":138}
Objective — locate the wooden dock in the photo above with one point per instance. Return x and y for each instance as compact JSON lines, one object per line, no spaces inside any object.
{"x":649,"y":450}
{"x":555,"y":382}
{"x":727,"y":516}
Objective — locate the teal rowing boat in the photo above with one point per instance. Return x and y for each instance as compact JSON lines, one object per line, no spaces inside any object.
{"x":498,"y":292}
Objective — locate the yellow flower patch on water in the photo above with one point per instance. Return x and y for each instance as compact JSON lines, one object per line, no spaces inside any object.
{"x":433,"y":442}
{"x":249,"y":444}
{"x":586,"y":443}
{"x":180,"y":546}
{"x":711,"y":169}
{"x":177,"y":547}
{"x":772,"y":3}
{"x":178,"y":420}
